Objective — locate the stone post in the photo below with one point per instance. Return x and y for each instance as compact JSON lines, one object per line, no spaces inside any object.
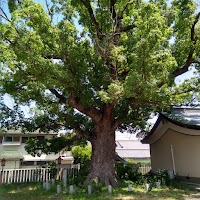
{"x":71,"y":189}
{"x":110,"y":189}
{"x":89,"y":189}
{"x":53,"y":181}
{"x":58,"y":189}
{"x":64,"y":178}
{"x":129,"y":187}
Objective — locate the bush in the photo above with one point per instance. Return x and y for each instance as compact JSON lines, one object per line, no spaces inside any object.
{"x":129,"y":171}
{"x":150,"y":177}
{"x":82,"y":155}
{"x":161,"y":175}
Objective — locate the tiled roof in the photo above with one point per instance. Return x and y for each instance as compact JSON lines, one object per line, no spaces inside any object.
{"x":11,"y":155}
{"x":183,"y":117}
{"x":132,"y":149}
{"x":131,"y":144}
{"x":19,"y":132}
{"x":190,"y":116}
{"x":134,"y":153}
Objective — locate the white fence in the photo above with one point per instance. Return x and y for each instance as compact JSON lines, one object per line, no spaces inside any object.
{"x":43,"y":174}
{"x":34,"y":174}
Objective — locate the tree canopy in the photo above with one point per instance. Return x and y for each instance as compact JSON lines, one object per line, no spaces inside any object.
{"x":98,"y":63}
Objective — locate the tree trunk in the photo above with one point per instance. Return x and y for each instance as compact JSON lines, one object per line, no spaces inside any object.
{"x":103,"y":154}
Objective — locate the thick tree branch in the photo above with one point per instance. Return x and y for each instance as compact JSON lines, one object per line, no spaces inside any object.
{"x":127,"y":28}
{"x":61,"y":97}
{"x":112,"y":9}
{"x":91,"y":112}
{"x":184,"y":68}
{"x":116,"y":124}
{"x":108,"y":114}
{"x":193,"y":38}
{"x":81,"y":134}
{"x":107,"y":109}
{"x":51,"y":57}
{"x":98,"y":30}
{"x":186,"y":65}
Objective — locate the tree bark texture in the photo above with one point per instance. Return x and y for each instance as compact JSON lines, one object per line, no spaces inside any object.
{"x":103,"y":154}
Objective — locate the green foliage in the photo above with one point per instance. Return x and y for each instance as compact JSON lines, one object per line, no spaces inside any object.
{"x":94,"y":63}
{"x":54,"y":144}
{"x":12,"y":5}
{"x":129,"y":171}
{"x":161,"y":175}
{"x":82,"y":155}
{"x":88,"y":65}
{"x":31,"y":191}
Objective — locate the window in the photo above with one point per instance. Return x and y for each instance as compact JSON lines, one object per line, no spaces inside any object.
{"x":7,"y":139}
{"x":16,"y":139}
{"x":41,"y":162}
{"x":27,"y":163}
{"x":11,"y":140}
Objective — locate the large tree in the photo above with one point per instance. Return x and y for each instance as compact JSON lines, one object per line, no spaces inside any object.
{"x":96,"y":66}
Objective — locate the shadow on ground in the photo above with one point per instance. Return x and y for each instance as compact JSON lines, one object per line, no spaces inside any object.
{"x":177,"y":191}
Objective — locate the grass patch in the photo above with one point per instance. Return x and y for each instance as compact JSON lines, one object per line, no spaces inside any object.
{"x":33,"y":191}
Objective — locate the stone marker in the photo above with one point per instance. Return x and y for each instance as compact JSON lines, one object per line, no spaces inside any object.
{"x":129,"y":187}
{"x":47,"y":185}
{"x":147,"y":185}
{"x":58,"y":189}
{"x":65,"y":178}
{"x":71,"y":189}
{"x":53,"y":181}
{"x":110,"y":189}
{"x":89,"y":189}
{"x":44,"y":185}
{"x":158,"y":184}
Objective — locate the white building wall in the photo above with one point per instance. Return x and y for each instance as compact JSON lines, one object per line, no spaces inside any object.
{"x":15,"y":162}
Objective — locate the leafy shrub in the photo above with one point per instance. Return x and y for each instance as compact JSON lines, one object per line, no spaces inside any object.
{"x":150,"y":177}
{"x":129,"y":171}
{"x":161,"y":175}
{"x":82,"y":155}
